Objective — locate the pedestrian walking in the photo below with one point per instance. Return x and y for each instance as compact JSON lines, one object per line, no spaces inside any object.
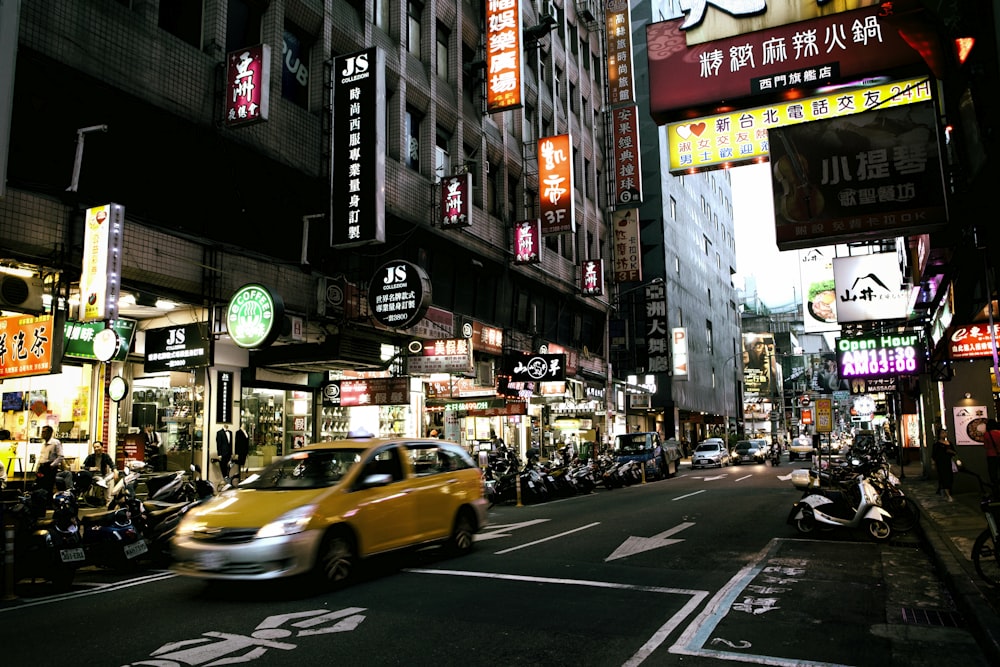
{"x":943,"y":453}
{"x":991,"y":440}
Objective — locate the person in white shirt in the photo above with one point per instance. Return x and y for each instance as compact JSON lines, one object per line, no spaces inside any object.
{"x":50,"y":460}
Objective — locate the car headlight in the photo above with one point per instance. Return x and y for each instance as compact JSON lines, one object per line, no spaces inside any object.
{"x":289,"y":523}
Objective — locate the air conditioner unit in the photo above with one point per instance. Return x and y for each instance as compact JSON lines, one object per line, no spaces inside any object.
{"x":586,"y":10}
{"x":21,"y":294}
{"x":484,"y":373}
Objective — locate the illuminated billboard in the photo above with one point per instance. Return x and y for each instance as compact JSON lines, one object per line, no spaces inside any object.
{"x":879,"y":355}
{"x":503,"y":55}
{"x":555,"y":180}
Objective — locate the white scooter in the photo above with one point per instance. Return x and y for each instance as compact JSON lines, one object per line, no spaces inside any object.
{"x":829,"y":508}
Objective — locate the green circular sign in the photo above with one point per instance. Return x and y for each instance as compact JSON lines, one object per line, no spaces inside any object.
{"x":117,"y":388}
{"x":254,"y":316}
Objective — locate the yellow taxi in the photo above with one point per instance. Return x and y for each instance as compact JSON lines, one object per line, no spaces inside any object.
{"x":323,"y":507}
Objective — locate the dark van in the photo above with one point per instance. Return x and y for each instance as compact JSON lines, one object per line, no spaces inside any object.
{"x":661,"y":458}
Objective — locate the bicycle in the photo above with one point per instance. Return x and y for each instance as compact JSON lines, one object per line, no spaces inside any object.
{"x":986,"y":549}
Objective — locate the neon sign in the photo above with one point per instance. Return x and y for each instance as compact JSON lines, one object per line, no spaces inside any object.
{"x":880,"y":355}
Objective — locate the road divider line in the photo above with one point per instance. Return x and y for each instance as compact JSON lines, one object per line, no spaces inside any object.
{"x":740,"y":479}
{"x":687,"y":496}
{"x":559,"y":581}
{"x":546,"y":539}
{"x":106,"y":588}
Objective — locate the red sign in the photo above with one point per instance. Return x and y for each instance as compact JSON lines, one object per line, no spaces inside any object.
{"x":503,"y":55}
{"x":621,"y":77}
{"x":555,"y":180}
{"x":628,"y":168}
{"x":972,"y":341}
{"x":248,"y":85}
{"x":806,"y":416}
{"x":875,"y":174}
{"x":722,"y":74}
{"x":456,"y":201}
{"x":592,"y":277}
{"x":26,"y":346}
{"x":487,"y":339}
{"x":373,"y":391}
{"x":528,"y":242}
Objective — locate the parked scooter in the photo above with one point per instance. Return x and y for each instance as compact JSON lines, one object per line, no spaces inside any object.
{"x":47,"y":549}
{"x":856,"y":506}
{"x":169,"y":488}
{"x":160,"y":522}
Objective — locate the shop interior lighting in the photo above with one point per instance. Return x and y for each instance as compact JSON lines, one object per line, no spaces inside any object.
{"x":163,"y":304}
{"x":17,"y":271}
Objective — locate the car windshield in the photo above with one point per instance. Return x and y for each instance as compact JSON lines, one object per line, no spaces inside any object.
{"x":305,"y":470}
{"x":743,"y":446}
{"x":707,"y":448}
{"x":632,"y":444}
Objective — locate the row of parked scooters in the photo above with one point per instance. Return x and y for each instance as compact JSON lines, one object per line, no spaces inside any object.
{"x":859,"y":493}
{"x":508,"y":481}
{"x":127,"y":531}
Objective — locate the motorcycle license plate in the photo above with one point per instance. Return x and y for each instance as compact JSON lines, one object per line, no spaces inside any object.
{"x":71,"y":555}
{"x":136,"y":549}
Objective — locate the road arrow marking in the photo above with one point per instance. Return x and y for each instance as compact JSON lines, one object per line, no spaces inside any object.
{"x":785,"y":478}
{"x":635,"y":545}
{"x":712,"y":479}
{"x":501,"y":530}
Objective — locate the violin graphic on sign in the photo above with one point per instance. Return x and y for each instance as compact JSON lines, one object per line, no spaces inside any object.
{"x":800,"y":201}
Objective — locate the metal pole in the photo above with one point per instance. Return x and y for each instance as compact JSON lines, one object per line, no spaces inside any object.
{"x":78,"y":160}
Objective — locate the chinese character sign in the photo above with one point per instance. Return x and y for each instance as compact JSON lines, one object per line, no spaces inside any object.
{"x":100,"y":276}
{"x":555,"y":182}
{"x":687,"y":81}
{"x":971,"y":341}
{"x":628,"y":167}
{"x":358,"y":188}
{"x":503,"y":55}
{"x":248,"y":84}
{"x":621,"y":79}
{"x":527,"y":242}
{"x":26,"y":346}
{"x":871,"y":175}
{"x":592,"y":277}
{"x":626,"y":246}
{"x":658,"y":340}
{"x":456,"y":204}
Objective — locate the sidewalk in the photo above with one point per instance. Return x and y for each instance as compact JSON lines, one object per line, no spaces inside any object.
{"x":950,"y":529}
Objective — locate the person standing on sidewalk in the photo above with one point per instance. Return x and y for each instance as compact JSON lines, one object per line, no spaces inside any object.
{"x":991,"y":440}
{"x":943,"y":454}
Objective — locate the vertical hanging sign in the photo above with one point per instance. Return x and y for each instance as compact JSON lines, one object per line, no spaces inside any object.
{"x":625,"y":242}
{"x":628,"y":168}
{"x":657,"y":335}
{"x":358,"y":159}
{"x":503,"y":55}
{"x":248,"y":85}
{"x":592,"y":277}
{"x":527,"y":242}
{"x":621,"y":83}
{"x":224,"y":398}
{"x":456,"y":198}
{"x":555,"y":180}
{"x":100,"y":276}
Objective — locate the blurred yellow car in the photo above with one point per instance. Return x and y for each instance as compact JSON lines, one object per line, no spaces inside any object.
{"x":323,"y":507}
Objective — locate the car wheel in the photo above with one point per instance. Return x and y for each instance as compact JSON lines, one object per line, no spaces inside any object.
{"x":462,"y":534}
{"x":336,"y":559}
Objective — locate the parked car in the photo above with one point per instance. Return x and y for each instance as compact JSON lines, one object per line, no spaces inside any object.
{"x":709,"y":453}
{"x":323,"y":507}
{"x":801,"y":448}
{"x":749,"y":451}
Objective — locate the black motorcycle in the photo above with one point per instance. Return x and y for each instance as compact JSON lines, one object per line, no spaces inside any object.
{"x":47,"y":548}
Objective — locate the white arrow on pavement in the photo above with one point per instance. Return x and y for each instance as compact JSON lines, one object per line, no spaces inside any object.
{"x":712,"y":479}
{"x":502,"y":529}
{"x":635,"y":545}
{"x":785,"y":478}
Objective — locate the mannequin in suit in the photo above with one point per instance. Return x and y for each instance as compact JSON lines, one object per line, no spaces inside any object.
{"x":241,"y":446}
{"x":224,"y":447}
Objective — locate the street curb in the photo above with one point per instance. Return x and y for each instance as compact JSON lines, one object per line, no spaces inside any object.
{"x":968,"y":597}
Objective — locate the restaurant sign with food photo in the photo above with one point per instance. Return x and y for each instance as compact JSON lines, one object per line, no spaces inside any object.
{"x":970,"y":424}
{"x":818,"y":289}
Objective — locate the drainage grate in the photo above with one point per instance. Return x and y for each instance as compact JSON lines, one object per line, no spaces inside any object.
{"x":933,"y":617}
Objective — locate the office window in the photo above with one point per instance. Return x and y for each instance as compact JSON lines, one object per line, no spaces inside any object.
{"x":513,"y":210}
{"x":413,"y":12}
{"x":243,"y":19}
{"x":673,"y":208}
{"x":182,"y":18}
{"x":441,"y":53}
{"x":295,"y":66}
{"x":586,"y":177}
{"x":492,"y":197}
{"x":573,"y":106}
{"x":708,"y":244}
{"x":412,"y":129}
{"x":441,"y":162}
{"x":382,"y":14}
{"x":708,"y":335}
{"x":471,"y":81}
{"x":529,"y":123}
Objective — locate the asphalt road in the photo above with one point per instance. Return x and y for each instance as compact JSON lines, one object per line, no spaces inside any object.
{"x":697,"y":570}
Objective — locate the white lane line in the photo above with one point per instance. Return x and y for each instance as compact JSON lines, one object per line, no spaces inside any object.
{"x":546,"y":539}
{"x":99,"y":588}
{"x":698,"y":633}
{"x":647,"y":649}
{"x":740,"y":479}
{"x":687,"y":496}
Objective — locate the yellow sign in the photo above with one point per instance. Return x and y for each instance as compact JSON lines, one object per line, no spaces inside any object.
{"x":731,"y":139}
{"x":824,"y":415}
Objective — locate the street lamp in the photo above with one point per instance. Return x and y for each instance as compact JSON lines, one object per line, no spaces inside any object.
{"x":736,"y":388}
{"x":609,"y":396}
